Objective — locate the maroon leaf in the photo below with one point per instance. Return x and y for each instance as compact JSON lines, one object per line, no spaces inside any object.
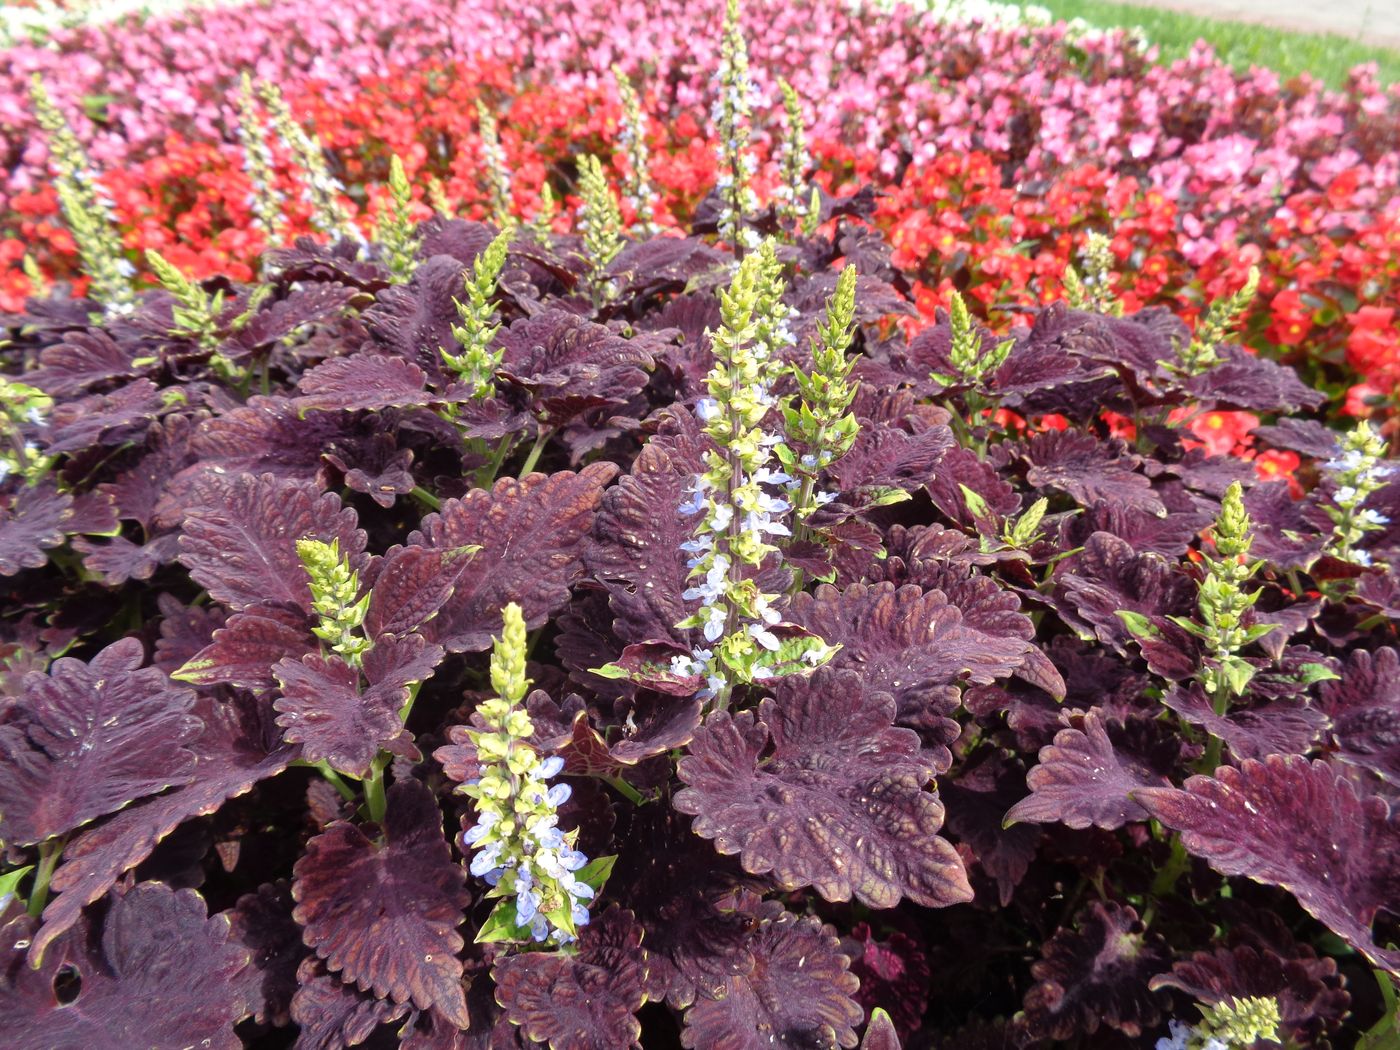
{"x":117,"y":560}
{"x":262,"y":923}
{"x":31,"y":522}
{"x":821,"y":790}
{"x":914,"y":644}
{"x":412,"y":585}
{"x":362,"y":381}
{"x":1109,"y":576}
{"x":384,"y":915}
{"x":894,"y":976}
{"x":977,"y":803}
{"x":244,"y":651}
{"x":90,"y":738}
{"x":104,"y":419}
{"x":1097,"y":973}
{"x":1284,"y":727}
{"x":235,"y":751}
{"x":530,"y":533}
{"x":584,"y":1001}
{"x":240,"y":538}
{"x":1300,"y":825}
{"x":1082,"y":781}
{"x":163,"y":974}
{"x":798,"y":994}
{"x":333,"y":1015}
{"x":1365,"y":711}
{"x":1089,"y":470}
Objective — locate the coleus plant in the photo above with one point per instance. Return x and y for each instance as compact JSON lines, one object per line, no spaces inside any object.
{"x":1020,"y":724}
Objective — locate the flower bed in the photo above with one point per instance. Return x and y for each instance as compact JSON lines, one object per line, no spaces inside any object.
{"x":683,"y":619}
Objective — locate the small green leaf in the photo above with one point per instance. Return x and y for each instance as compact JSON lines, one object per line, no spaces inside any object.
{"x":500,"y":925}
{"x":1310,"y":673}
{"x":610,"y":671}
{"x":1138,"y":625}
{"x":9,"y":883}
{"x":595,"y":873}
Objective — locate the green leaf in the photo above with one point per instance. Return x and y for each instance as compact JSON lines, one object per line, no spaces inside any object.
{"x":1310,"y":673}
{"x":595,"y":873}
{"x":1238,"y":674}
{"x":610,"y":671}
{"x":9,"y":883}
{"x":1138,"y":625}
{"x":500,"y":925}
{"x":1253,"y":634}
{"x":884,"y":495}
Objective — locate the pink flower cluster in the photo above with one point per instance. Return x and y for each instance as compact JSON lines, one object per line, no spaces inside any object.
{"x":889,"y":83}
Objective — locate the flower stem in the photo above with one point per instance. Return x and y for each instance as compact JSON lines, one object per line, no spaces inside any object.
{"x":626,"y":790}
{"x":426,"y":498}
{"x":49,"y":853}
{"x":336,"y":780}
{"x":375,"y":802}
{"x":486,"y":475}
{"x":541,"y":440}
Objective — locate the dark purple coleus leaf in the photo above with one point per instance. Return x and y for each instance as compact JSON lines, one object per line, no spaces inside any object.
{"x":237,"y":748}
{"x":1089,"y":470}
{"x":117,"y":560}
{"x":1364,"y":708}
{"x":1283,"y":535}
{"x":89,"y":738}
{"x":377,"y":467}
{"x":880,"y":1033}
{"x":137,"y":491}
{"x":1308,"y":990}
{"x":962,"y":468}
{"x":340,"y":715}
{"x":383,"y":914}
{"x":1283,"y":727}
{"x":584,"y":1001}
{"x":262,"y":923}
{"x":894,"y":976}
{"x":160,"y":973}
{"x":565,"y":365}
{"x":891,"y":456}
{"x":1096,"y":974}
{"x":240,"y":538}
{"x":362,"y":381}
{"x":31,"y":522}
{"x":1169,"y":535}
{"x":312,"y":303}
{"x":798,"y":994}
{"x":1249,"y":381}
{"x":414,"y":321}
{"x":84,"y":360}
{"x":1301,"y":825}
{"x":977,"y":803}
{"x":1083,"y":780}
{"x":531,"y":534}
{"x":659,"y":264}
{"x":333,"y":1015}
{"x":820,"y":789}
{"x":913,"y":644}
{"x":244,"y":650}
{"x":412,"y":585}
{"x":104,"y":419}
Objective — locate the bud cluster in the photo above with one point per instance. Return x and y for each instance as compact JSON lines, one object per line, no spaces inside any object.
{"x":21,"y":407}
{"x":321,"y":191}
{"x":731,"y":113}
{"x":398,"y":233}
{"x":1234,"y":1025}
{"x":87,"y":208}
{"x":1358,"y":473}
{"x":600,"y":223}
{"x":637,"y":190}
{"x":335,"y":598}
{"x":265,"y":200}
{"x":793,"y":202}
{"x":477,"y":363}
{"x":519,"y":850}
{"x":1219,"y":321}
{"x":1092,"y":290}
{"x":498,"y":187}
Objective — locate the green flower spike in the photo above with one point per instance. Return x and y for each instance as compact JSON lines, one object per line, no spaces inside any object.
{"x":477,"y":363}
{"x":731,"y":115}
{"x":265,"y":200}
{"x":1358,"y":473}
{"x":637,"y":190}
{"x":320,"y":189}
{"x":1093,"y":289}
{"x":335,"y":598}
{"x":600,"y":222}
{"x":793,"y":200}
{"x":498,"y":189}
{"x":398,"y":233}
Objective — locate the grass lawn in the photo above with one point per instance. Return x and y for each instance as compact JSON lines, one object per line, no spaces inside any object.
{"x":1240,"y":44}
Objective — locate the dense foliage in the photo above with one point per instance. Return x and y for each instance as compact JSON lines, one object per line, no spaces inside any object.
{"x":649,"y":626}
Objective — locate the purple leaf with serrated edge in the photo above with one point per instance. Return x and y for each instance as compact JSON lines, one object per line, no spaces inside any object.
{"x":267,"y":436}
{"x":799,"y":992}
{"x":1364,"y":707}
{"x":262,"y":923}
{"x":914,"y":644}
{"x":377,"y":467}
{"x":635,"y":549}
{"x":31,"y":521}
{"x":1169,"y":535}
{"x":1284,"y":727}
{"x":104,"y":419}
{"x":1300,"y":825}
{"x":362,"y":381}
{"x":244,"y":650}
{"x":117,"y":560}
{"x":649,"y":664}
{"x":384,"y":915}
{"x":1249,"y":381}
{"x":336,"y":718}
{"x":1082,"y":781}
{"x":412,"y":585}
{"x":892,"y":456}
{"x":235,"y":751}
{"x":1097,"y":973}
{"x":90,"y":738}
{"x":83,"y":360}
{"x":531,"y":535}
{"x":894,"y":975}
{"x":240,"y":538}
{"x":1089,"y":470}
{"x":184,"y":631}
{"x":880,"y":1033}
{"x":331,"y":1014}
{"x":584,"y":1001}
{"x":1308,"y":990}
{"x":822,"y":790}
{"x":1109,"y":576}
{"x":977,"y":802}
{"x":312,"y":303}
{"x":163,"y":974}
{"x":961,"y":468}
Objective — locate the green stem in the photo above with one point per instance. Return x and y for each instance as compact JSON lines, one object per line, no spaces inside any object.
{"x":375,"y":802}
{"x":486,"y":475}
{"x":541,"y":440}
{"x":49,"y":853}
{"x":626,"y":790}
{"x":426,"y":498}
{"x":1176,"y":866}
{"x":336,"y":781}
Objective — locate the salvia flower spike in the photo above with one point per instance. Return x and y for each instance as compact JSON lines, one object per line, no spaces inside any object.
{"x":1358,"y":473}
{"x":87,"y":209}
{"x":600,"y":222}
{"x":1219,"y":321}
{"x":498,"y":189}
{"x":321,"y":190}
{"x":637,"y":189}
{"x":23,"y":408}
{"x":737,"y":514}
{"x":791,"y":194}
{"x":477,"y":363}
{"x":820,"y":422}
{"x":516,"y":843}
{"x":265,"y":200}
{"x":731,"y":114}
{"x":398,"y":233}
{"x":335,"y":598}
{"x":1235,"y":1024}
{"x":1093,"y":289}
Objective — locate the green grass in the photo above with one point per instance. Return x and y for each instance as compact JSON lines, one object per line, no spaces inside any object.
{"x":1325,"y":56}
